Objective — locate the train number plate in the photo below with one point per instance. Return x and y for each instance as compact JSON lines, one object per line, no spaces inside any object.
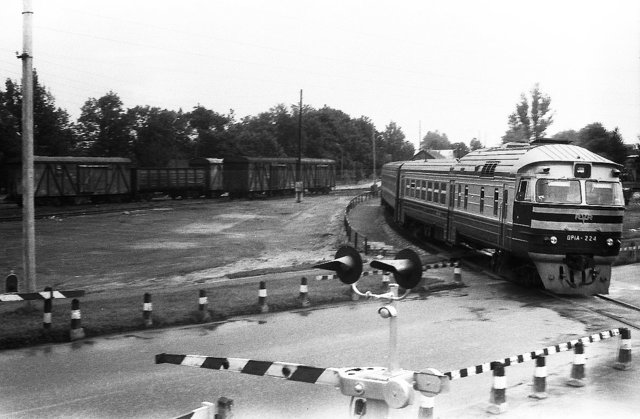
{"x":585,"y":238}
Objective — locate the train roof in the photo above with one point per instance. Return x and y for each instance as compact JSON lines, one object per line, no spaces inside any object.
{"x":203,"y":161}
{"x":246,"y":159}
{"x":81,"y":160}
{"x":511,"y":158}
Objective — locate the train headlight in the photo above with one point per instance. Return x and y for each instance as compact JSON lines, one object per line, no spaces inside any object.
{"x":552,"y":240}
{"x":609,"y":242}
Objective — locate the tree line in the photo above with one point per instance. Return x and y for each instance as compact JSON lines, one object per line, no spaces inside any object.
{"x":152,"y":136}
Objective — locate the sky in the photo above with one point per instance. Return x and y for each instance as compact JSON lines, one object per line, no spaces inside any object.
{"x":457,"y":66}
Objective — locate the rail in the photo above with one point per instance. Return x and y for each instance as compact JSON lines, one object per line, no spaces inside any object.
{"x":352,"y":235}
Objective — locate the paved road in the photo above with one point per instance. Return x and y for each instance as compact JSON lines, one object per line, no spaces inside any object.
{"x":116,"y":376}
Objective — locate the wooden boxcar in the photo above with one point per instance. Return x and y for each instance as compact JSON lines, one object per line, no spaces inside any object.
{"x":203,"y":177}
{"x":67,"y":180}
{"x":251,"y":176}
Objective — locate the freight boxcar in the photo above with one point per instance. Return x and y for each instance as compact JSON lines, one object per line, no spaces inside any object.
{"x":73,"y":180}
{"x":252,"y":176}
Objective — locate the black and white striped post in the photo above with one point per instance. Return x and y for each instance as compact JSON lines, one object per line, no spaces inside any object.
{"x":577,"y":368}
{"x":304,"y":292}
{"x":262,"y":297}
{"x":498,"y":397}
{"x":147,"y":310}
{"x":624,"y":353}
{"x":540,"y":379}
{"x":47,"y":308}
{"x":76,"y":332}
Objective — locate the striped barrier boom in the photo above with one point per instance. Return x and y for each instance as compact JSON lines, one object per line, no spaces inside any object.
{"x":283,"y":370}
{"x":529,"y":356}
{"x":629,"y":248}
{"x":334,"y":276}
{"x":206,"y":411}
{"x":437,"y":265}
{"x":44,"y":295}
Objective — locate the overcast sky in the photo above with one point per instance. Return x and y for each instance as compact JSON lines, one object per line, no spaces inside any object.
{"x":458,"y":67}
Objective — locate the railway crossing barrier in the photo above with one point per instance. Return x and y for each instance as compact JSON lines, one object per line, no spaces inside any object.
{"x":47,"y":296}
{"x":376,"y":390}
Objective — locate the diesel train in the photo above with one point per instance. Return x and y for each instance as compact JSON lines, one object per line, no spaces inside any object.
{"x":74,"y":180}
{"x":548,"y":212}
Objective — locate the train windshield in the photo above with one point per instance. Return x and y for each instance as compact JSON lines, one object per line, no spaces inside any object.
{"x":557,"y":191}
{"x":604,"y":193}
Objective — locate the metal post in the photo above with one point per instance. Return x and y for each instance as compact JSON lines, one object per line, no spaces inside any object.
{"x":394,"y":365}
{"x":28,"y":216}
{"x":299,"y":187}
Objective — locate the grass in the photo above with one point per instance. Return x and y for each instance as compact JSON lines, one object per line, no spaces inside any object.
{"x":111,"y":312}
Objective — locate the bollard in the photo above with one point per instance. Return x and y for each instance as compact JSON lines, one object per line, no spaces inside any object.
{"x":48,"y":305}
{"x":577,"y":369}
{"x":77,"y":332}
{"x":427,"y":404}
{"x":11,"y":284}
{"x":147,"y":309}
{"x":624,"y":354}
{"x":498,"y":397}
{"x":202,"y":306}
{"x":385,"y":281}
{"x":457,"y":275}
{"x":223,"y":408}
{"x":262,"y":297}
{"x":540,"y":379}
{"x":304,"y":293}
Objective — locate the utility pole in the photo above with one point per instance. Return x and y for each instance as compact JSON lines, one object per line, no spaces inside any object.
{"x":373,"y":143}
{"x":299,"y":187}
{"x":28,"y":211}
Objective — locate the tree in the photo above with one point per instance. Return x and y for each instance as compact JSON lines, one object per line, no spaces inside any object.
{"x":212,"y":133}
{"x":159,"y":135}
{"x":594,"y":137}
{"x":569,"y":135}
{"x":531,"y":118}
{"x":459,"y":149}
{"x":475,"y":144}
{"x":435,"y":141}
{"x":395,"y":146}
{"x":104,"y":127}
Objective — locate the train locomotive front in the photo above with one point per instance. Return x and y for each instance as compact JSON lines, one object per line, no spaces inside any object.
{"x":550,"y":212}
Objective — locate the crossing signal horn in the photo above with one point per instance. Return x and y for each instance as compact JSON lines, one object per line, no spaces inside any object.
{"x":347,"y":265}
{"x":406,"y":268}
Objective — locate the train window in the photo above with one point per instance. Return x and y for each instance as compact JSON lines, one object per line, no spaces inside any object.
{"x":466,"y":196}
{"x":496,"y":198}
{"x":429,"y":191}
{"x":558,"y":191}
{"x":522,"y":194}
{"x":407,"y":187}
{"x":436,"y":191}
{"x":443,"y":193}
{"x":423,"y":190}
{"x":459,"y":194}
{"x":604,"y":193}
{"x":481,"y":200}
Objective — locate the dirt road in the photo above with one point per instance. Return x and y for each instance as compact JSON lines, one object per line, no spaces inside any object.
{"x":178,"y":244}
